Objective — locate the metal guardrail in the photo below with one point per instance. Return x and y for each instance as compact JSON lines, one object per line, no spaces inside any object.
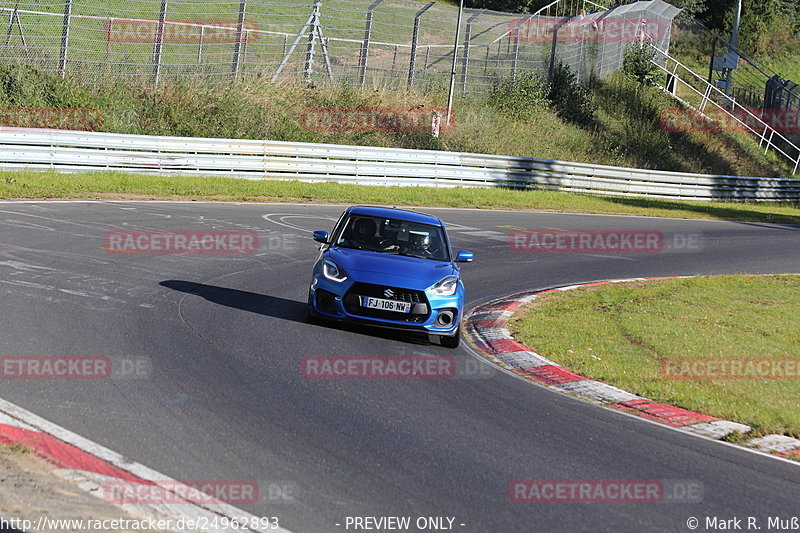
{"x":79,"y":151}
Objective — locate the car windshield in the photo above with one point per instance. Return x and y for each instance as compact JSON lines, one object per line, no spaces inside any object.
{"x":393,"y":236}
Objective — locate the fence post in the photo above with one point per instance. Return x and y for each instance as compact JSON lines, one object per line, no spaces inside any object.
{"x":453,"y":64}
{"x":159,"y":39}
{"x":290,"y":51}
{"x":200,"y":45}
{"x":465,"y":59}
{"x":414,"y":39}
{"x":238,"y":45}
{"x":62,"y":61}
{"x":362,"y":60}
{"x":515,"y":57}
{"x":308,"y":68}
{"x":552,"y":69}
{"x":313,"y":29}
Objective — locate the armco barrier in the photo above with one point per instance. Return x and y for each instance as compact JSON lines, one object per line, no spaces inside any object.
{"x":76,"y":151}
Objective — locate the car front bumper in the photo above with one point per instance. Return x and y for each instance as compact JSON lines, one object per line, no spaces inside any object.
{"x":336,"y":300}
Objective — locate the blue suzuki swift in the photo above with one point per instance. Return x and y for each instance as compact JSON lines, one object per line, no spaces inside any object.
{"x":391,"y":268}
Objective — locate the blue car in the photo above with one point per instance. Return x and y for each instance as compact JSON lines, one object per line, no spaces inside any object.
{"x":391,"y":268}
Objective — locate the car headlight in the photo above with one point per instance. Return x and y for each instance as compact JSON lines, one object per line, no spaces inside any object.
{"x":446,"y":287}
{"x":332,"y":271}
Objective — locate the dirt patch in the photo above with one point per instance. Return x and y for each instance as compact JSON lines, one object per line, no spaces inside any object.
{"x":30,"y":490}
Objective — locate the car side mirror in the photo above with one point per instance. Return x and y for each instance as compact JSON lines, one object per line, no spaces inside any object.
{"x":464,"y":257}
{"x":321,"y":236}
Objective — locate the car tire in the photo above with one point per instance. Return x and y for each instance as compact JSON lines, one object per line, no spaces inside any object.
{"x":451,"y":342}
{"x":311,"y":317}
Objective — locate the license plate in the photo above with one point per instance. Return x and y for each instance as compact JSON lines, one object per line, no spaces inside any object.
{"x":385,"y":305}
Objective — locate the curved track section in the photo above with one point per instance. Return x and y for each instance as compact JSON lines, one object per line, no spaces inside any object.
{"x":223,"y":397}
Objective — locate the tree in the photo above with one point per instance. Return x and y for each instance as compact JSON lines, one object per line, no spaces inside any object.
{"x":507,"y":6}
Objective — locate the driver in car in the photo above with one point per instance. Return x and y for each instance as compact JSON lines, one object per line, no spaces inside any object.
{"x":423,"y":245}
{"x":362,"y":236}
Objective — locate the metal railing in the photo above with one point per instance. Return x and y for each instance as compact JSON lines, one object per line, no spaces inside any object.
{"x":76,"y":151}
{"x":697,"y":93}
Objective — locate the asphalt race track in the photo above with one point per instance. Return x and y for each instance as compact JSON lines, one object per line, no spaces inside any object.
{"x":223,"y":397}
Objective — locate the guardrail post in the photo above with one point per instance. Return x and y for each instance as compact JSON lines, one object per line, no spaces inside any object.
{"x":159,"y":39}
{"x":238,"y":45}
{"x":362,"y":59}
{"x":62,"y":60}
{"x":414,"y":40}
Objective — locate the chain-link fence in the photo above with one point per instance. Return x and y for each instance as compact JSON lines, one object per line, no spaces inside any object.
{"x":386,"y":43}
{"x":741,"y":79}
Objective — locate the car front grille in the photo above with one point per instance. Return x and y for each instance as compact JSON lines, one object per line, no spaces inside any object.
{"x":352,"y":302}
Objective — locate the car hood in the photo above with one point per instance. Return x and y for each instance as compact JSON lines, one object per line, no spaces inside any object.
{"x":389,"y":269}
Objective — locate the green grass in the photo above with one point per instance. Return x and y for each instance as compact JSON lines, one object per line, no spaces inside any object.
{"x":14,"y":449}
{"x":115,"y":185}
{"x":619,"y":334}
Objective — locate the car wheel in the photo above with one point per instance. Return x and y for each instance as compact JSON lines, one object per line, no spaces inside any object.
{"x":451,"y":342}
{"x":311,"y":318}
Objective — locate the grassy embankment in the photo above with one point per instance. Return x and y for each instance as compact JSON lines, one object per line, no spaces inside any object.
{"x":620,"y":334}
{"x":622,"y":129}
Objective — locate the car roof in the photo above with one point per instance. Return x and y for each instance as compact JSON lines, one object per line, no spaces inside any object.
{"x":391,"y":212}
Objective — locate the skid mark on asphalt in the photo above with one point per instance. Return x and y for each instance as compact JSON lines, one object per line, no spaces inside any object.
{"x":460,"y":229}
{"x":30,"y":280}
{"x":281,"y":220}
{"x":88,"y":225}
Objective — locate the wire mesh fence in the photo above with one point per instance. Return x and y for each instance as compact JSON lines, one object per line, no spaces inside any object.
{"x":740,"y":81}
{"x":386,"y":43}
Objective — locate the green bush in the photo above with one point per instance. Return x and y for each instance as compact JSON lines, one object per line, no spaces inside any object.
{"x":572,"y":101}
{"x":637,"y":61}
{"x":521,"y":95}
